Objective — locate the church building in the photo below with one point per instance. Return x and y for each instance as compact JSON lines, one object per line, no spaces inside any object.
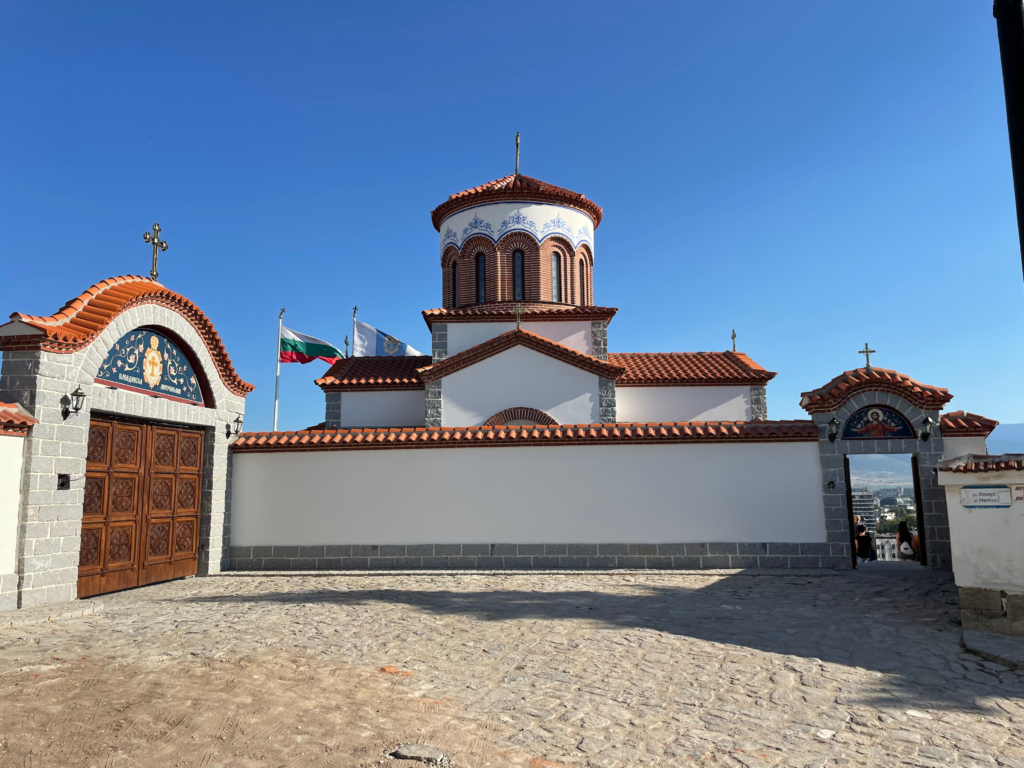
{"x":520,"y":340}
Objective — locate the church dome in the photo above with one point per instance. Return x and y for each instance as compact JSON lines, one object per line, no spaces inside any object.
{"x":515,"y":187}
{"x":517,"y":239}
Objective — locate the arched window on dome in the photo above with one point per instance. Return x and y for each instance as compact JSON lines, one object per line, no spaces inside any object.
{"x":455,"y":283}
{"x":556,"y":276}
{"x":481,"y":280}
{"x":517,"y":276}
{"x":583,"y":283}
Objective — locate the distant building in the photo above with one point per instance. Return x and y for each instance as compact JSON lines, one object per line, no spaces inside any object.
{"x":866,"y":505}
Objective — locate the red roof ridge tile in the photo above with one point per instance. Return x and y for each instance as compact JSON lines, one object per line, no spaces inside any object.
{"x":82,"y":319}
{"x":562,"y":434}
{"x":964,"y":424}
{"x":519,"y":337}
{"x":834,"y":394}
{"x":374,"y":373}
{"x":974,"y":462}
{"x":505,"y":311}
{"x":515,"y":187}
{"x":646,"y":369}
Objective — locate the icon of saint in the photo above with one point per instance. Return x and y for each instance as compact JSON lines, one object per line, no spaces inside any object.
{"x":153,"y":363}
{"x":876,"y":427}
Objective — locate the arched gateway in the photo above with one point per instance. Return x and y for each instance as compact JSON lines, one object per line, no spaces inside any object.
{"x":126,"y":472}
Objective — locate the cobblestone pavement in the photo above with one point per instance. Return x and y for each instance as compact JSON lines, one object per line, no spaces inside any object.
{"x":604,"y":670}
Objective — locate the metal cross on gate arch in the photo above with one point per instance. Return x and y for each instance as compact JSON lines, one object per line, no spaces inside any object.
{"x":158,"y":245}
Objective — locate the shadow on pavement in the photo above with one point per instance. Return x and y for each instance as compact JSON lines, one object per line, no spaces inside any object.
{"x":903,"y":625}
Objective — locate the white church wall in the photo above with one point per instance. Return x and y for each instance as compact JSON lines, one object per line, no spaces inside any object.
{"x":12,"y":448}
{"x":643,"y":404}
{"x":383,"y":409}
{"x":953,"y":447}
{"x":573,"y":334}
{"x":654,"y":494}
{"x":519,"y":377}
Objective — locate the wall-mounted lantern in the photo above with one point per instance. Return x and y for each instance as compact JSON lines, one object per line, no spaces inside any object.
{"x":926,"y":431}
{"x":73,"y":402}
{"x":833,"y":429}
{"x":238,"y":424}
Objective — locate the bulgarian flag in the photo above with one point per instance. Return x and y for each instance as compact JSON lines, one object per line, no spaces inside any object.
{"x":299,"y":348}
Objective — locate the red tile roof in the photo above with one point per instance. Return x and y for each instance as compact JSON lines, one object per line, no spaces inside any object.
{"x":518,"y":188}
{"x":367,"y":374}
{"x":78,"y":323}
{"x":963,"y":424}
{"x":14,"y":421}
{"x":842,"y":388}
{"x":1007,"y":462}
{"x":514,"y":338}
{"x":505,"y":312}
{"x":680,"y":369}
{"x":566,"y":434}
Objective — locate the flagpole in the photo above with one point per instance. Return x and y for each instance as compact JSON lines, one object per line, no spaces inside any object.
{"x":354,"y":310}
{"x":277,"y":382}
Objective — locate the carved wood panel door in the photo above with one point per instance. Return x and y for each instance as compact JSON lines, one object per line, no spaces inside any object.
{"x":170,"y":548}
{"x":140,"y":515}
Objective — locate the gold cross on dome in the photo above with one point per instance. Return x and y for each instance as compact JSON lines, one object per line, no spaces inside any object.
{"x":518,"y":309}
{"x":867,"y":352}
{"x":158,"y":245}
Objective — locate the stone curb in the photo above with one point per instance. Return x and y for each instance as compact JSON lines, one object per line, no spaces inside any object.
{"x":1002,"y":649}
{"x":22,"y":617}
{"x":592,"y":572}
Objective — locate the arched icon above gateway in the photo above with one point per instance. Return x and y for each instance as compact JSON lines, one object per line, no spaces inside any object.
{"x":147,"y":361}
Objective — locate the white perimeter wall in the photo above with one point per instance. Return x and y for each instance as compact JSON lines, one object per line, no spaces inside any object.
{"x":961,"y":446}
{"x":575,"y":334}
{"x":682,"y":403}
{"x":518,"y":377}
{"x":383,"y":409}
{"x":632,"y":494}
{"x":11,"y":456}
{"x":986,"y":543}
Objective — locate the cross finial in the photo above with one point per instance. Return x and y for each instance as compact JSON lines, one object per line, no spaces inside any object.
{"x":519,"y":315}
{"x":158,"y":245}
{"x":517,"y":153}
{"x":346,"y":346}
{"x":867,"y":352}
{"x":733,"y":339}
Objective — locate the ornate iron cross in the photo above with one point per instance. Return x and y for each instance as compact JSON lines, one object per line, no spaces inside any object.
{"x":517,"y":153}
{"x":733,"y":339}
{"x":867,"y":352}
{"x":518,"y":309}
{"x":158,"y":245}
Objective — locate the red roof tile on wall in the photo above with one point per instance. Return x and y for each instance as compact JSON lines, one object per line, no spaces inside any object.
{"x":505,"y":312}
{"x":78,"y":323}
{"x":516,"y":187}
{"x":519,"y":337}
{"x":567,"y":434}
{"x":964,"y":424}
{"x":680,"y":369}
{"x":374,"y":373}
{"x":1007,"y":462}
{"x":842,"y":388}
{"x":13,"y":421}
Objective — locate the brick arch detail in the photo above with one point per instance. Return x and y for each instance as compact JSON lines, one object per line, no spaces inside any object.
{"x":564,"y":247}
{"x":467,"y":269}
{"x":508,"y":245}
{"x":586,"y":287}
{"x":449,"y":257}
{"x":520,"y":413}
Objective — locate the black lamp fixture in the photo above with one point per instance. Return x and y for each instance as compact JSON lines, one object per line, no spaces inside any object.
{"x":833,"y":429}
{"x":926,"y":431}
{"x":238,"y":424}
{"x":74,"y":402}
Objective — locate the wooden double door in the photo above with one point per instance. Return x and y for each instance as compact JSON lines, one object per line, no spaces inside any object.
{"x":140,"y":517}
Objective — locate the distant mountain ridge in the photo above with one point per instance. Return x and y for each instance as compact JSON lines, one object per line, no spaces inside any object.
{"x":1006,"y":438}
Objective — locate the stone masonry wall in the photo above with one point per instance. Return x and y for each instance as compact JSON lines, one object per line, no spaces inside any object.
{"x":332,"y":415}
{"x":758,"y":403}
{"x":433,"y":404}
{"x":606,"y":398}
{"x":537,"y":556}
{"x":439,"y":342}
{"x":50,"y":522}
{"x":599,"y":339}
{"x":936,"y":518}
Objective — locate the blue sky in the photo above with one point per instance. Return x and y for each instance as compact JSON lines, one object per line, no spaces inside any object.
{"x":814,"y":175}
